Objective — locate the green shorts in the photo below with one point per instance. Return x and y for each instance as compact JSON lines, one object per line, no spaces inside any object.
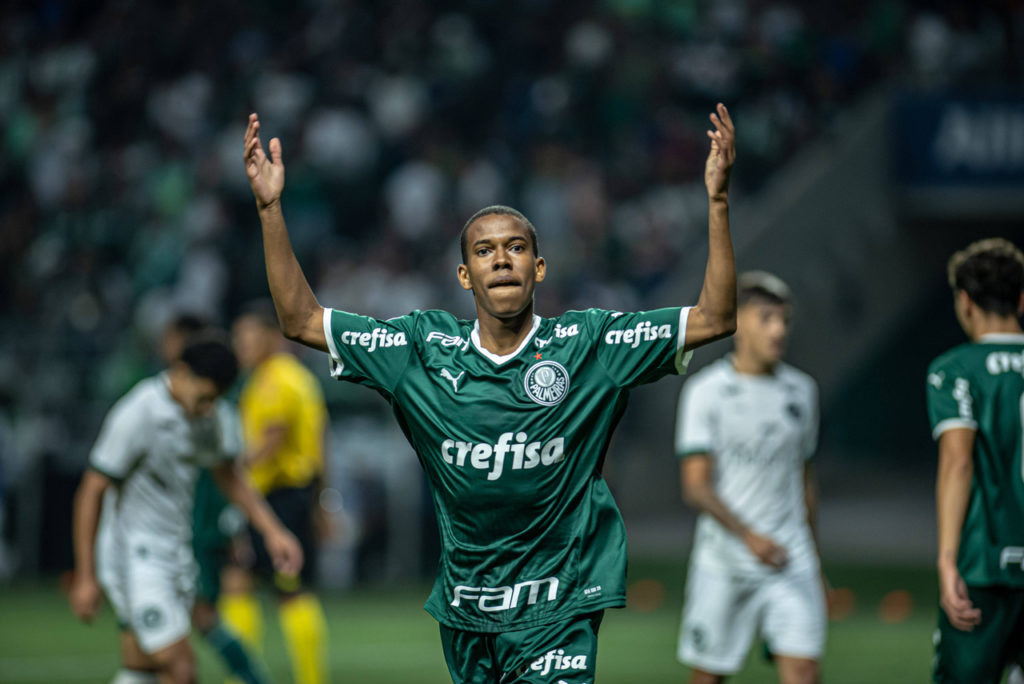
{"x":561,"y":652}
{"x":981,"y":655}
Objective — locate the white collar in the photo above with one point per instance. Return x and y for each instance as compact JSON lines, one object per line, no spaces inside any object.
{"x":1001,"y":338}
{"x":500,"y":359}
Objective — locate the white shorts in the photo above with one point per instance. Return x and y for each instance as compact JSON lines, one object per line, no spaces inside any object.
{"x":723,"y":613}
{"x":151,"y":589}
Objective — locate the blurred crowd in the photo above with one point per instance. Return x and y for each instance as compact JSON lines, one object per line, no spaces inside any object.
{"x":125,"y":199}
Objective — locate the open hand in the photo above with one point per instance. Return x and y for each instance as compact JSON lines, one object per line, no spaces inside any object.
{"x":266,"y":175}
{"x":722,"y":155}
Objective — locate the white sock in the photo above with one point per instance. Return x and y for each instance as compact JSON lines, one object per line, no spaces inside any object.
{"x":1016,"y":675}
{"x":126,"y":676}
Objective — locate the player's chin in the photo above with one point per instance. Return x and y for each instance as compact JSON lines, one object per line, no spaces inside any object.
{"x":505,"y":301}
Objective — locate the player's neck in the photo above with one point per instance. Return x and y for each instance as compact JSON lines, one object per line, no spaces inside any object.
{"x":503,"y":336}
{"x":749,"y":364}
{"x":992,"y":324}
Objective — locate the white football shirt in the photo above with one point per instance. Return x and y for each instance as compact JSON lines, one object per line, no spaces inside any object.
{"x":758,"y":430}
{"x":152,"y":451}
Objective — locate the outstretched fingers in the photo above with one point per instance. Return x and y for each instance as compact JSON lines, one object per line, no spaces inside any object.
{"x":253,"y":149}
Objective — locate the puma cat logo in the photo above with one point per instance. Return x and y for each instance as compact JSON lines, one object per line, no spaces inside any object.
{"x":447,"y":375}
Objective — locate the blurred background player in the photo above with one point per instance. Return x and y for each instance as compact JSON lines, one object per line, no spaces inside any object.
{"x":976,"y":407}
{"x":213,"y":524}
{"x":746,"y":429}
{"x":284,"y":423}
{"x":147,"y":455}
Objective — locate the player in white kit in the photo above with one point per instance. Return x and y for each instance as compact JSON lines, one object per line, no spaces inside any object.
{"x":747,"y":426}
{"x":141,"y":476}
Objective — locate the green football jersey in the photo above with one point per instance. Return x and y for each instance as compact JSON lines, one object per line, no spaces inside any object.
{"x":513,"y":448}
{"x":981,"y":386}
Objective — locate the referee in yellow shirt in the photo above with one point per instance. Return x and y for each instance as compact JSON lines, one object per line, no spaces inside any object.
{"x":284,"y":422}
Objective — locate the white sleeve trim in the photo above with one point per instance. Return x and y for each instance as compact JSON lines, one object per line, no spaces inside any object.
{"x":951,"y":424}
{"x":337,"y":365}
{"x":682,"y":357}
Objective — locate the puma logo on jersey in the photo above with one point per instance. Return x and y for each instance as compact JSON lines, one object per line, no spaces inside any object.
{"x":525,"y":455}
{"x":447,"y":375}
{"x":643,"y":332}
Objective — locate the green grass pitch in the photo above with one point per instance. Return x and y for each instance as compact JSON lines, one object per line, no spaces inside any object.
{"x":383,"y":636}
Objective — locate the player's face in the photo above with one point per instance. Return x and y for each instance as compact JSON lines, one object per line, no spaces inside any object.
{"x":762,"y":328}
{"x":195,"y":394}
{"x":501,"y":269}
{"x":249,"y":337}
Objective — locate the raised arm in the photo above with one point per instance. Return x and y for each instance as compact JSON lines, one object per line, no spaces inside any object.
{"x":714,"y":316}
{"x":300,"y":315}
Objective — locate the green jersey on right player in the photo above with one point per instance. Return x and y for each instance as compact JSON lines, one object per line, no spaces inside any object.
{"x":980,"y":386}
{"x":976,"y":407}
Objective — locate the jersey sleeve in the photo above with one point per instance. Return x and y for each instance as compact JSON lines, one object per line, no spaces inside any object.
{"x":121,"y":442}
{"x":369,"y":351}
{"x":950,"y":402}
{"x":637,"y":348}
{"x":694,"y":420}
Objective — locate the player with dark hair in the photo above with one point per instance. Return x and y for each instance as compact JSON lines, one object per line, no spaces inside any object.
{"x":511,"y":416}
{"x":141,"y":478}
{"x":746,"y":430}
{"x":213,"y":525}
{"x":976,"y":407}
{"x":284,"y":424}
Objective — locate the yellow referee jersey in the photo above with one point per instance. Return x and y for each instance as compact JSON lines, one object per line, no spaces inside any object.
{"x":283,"y":392}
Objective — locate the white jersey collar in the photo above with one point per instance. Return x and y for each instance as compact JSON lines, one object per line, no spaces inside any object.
{"x":1002,"y":338}
{"x":474,"y":336}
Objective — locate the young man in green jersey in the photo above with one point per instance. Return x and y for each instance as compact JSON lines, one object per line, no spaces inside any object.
{"x":976,"y":407}
{"x":510,"y":416}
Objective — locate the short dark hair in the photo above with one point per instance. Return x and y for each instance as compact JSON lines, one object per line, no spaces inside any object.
{"x":500,"y":210}
{"x":209,"y":356}
{"x":187,"y":324}
{"x":991,"y":272}
{"x":762,"y":286}
{"x":262,"y":310}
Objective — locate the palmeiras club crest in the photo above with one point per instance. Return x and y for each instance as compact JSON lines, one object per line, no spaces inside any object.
{"x":547,"y":382}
